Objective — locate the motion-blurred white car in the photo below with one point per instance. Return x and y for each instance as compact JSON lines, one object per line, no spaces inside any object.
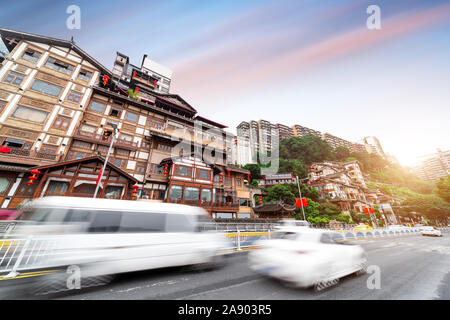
{"x":305,"y":257}
{"x":290,"y":223}
{"x":430,"y":231}
{"x":105,"y":237}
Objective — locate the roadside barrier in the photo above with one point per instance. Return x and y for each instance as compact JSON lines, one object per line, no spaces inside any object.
{"x":19,"y":254}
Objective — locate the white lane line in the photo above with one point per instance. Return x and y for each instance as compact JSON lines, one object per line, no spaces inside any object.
{"x":218,"y":290}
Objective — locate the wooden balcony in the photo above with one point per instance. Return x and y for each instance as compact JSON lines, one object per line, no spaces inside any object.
{"x":99,"y":139}
{"x":30,"y":156}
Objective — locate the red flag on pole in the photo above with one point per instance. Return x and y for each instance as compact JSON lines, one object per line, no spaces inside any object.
{"x":371,"y":210}
{"x":301,"y":202}
{"x":366,"y":210}
{"x":99,"y":175}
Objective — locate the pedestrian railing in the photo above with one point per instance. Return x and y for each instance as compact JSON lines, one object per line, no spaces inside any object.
{"x":18,"y":254}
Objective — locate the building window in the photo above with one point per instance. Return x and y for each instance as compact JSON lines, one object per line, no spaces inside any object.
{"x":97,"y":106}
{"x":4,"y":185}
{"x":86,"y":128}
{"x":113,"y":192}
{"x":156,"y":169}
{"x":49,"y":149}
{"x":164,"y":89}
{"x":164,"y":147}
{"x":175,"y":125}
{"x":31,"y":55}
{"x":74,"y":96}
{"x":239,"y":182}
{"x":122,"y":152}
{"x":133,"y":117}
{"x":82,"y":144}
{"x":126,"y":137}
{"x":57,"y":188}
{"x":120,"y":163}
{"x":2,"y":105}
{"x":85,"y":75}
{"x":46,"y":88}
{"x":115,"y":112}
{"x":244,"y":202}
{"x":59,"y":65}
{"x":16,"y":143}
{"x":165,"y":81}
{"x":183,"y":171}
{"x":206,"y":195}
{"x":141,"y":167}
{"x":191,"y":194}
{"x":14,"y":78}
{"x":176,"y":193}
{"x":154,"y":123}
{"x":61,"y":122}
{"x":29,"y":114}
{"x":74,"y":155}
{"x":203,"y":174}
{"x":145,"y":143}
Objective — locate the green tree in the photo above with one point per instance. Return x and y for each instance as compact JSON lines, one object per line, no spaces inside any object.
{"x":345,"y":218}
{"x":280,"y":192}
{"x":307,"y":149}
{"x":443,"y":188}
{"x":292,"y":165}
{"x":341,"y":153}
{"x":329,"y":209}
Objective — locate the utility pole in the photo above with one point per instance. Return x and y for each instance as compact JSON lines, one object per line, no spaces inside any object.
{"x":114,"y":126}
{"x":300,"y":193}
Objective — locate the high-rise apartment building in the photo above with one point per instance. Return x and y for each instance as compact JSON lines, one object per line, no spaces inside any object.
{"x":262,"y":137}
{"x":301,"y":131}
{"x":373,"y":145}
{"x":335,"y":142}
{"x":435,"y":166}
{"x":284,"y":132}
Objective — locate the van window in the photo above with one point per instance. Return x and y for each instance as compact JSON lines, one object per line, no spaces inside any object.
{"x":78,"y":216}
{"x":49,"y":215}
{"x":180,"y":223}
{"x":142,"y":222}
{"x":105,"y":221}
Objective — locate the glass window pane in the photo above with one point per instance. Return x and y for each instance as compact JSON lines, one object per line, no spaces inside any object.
{"x":176,"y":192}
{"x":131,"y":117}
{"x":97,"y":106}
{"x":106,"y":221}
{"x":191,"y":193}
{"x":143,"y":222}
{"x":4,"y":184}
{"x":206,"y":195}
{"x":47,"y":88}
{"x":29,"y":114}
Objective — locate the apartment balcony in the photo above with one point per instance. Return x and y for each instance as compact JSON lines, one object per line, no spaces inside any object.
{"x":100,"y":139}
{"x":32,"y":157}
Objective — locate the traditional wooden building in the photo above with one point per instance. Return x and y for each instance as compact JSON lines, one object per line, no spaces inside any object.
{"x":274,"y":210}
{"x":59,"y":107}
{"x":44,"y":86}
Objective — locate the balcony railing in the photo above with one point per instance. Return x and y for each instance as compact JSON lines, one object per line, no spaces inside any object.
{"x":226,"y":205}
{"x":99,"y":138}
{"x":32,"y":154}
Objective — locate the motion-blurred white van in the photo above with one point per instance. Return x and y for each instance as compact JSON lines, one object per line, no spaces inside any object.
{"x":106,"y":237}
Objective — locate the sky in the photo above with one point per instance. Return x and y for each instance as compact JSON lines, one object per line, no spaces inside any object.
{"x":313,"y":63}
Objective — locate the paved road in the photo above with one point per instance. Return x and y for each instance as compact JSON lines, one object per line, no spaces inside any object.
{"x":412,"y":267}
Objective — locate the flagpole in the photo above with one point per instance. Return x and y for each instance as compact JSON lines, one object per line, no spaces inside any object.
{"x":106,"y":160}
{"x":300,"y":192}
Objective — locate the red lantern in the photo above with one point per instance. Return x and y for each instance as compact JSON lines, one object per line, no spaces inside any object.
{"x":366,"y":210}
{"x":105,"y":79}
{"x":134,"y":192}
{"x":235,"y":141}
{"x":166,"y":169}
{"x":34,"y":173}
{"x":260,"y":200}
{"x":220,"y":178}
{"x":371,"y":210}
{"x":229,"y":172}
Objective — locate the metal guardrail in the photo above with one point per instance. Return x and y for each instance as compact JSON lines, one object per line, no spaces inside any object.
{"x":18,"y":254}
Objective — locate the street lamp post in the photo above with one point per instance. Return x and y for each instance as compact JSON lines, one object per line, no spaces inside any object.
{"x":114,"y":126}
{"x":300,"y":193}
